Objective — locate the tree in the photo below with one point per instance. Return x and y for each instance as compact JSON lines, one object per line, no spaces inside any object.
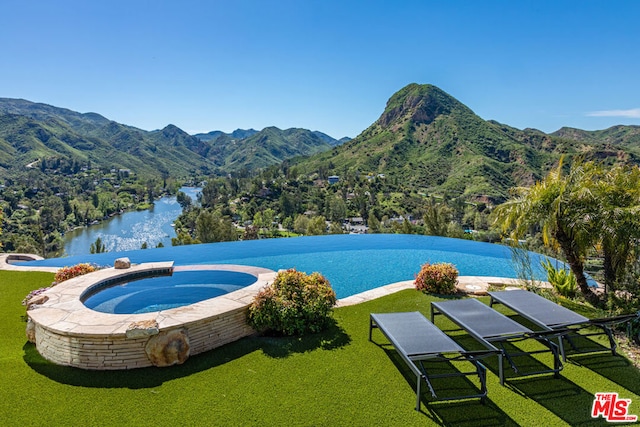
{"x":184,"y":238}
{"x":437,"y":217}
{"x":561,"y":206}
{"x":258,"y":221}
{"x":337,"y":209}
{"x":287,"y":206}
{"x":374,"y":224}
{"x":250,"y":233}
{"x":207,"y":227}
{"x":335,"y":228}
{"x":51,"y":214}
{"x":300,"y":224}
{"x":317,"y":226}
{"x":183,"y":199}
{"x":268,"y":220}
{"x":97,"y":247}
{"x":617,"y":215}
{"x":287,"y":223}
{"x":211,"y":227}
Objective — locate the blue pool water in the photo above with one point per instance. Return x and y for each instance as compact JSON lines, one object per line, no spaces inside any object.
{"x":166,"y":292}
{"x":351,"y":263}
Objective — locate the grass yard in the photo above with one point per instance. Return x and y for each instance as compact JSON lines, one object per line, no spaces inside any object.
{"x":334,"y":378}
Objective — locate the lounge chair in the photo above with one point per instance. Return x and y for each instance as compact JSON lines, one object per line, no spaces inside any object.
{"x":551,"y":316}
{"x":488,"y":326}
{"x":417,"y":341}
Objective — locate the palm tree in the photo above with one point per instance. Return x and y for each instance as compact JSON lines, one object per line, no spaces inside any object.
{"x":561,"y":206}
{"x":618,"y":217}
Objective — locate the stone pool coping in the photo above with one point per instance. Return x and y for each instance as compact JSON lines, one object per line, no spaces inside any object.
{"x":470,"y":285}
{"x":5,"y":263}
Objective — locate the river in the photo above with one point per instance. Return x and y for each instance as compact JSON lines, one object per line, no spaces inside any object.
{"x":130,"y":230}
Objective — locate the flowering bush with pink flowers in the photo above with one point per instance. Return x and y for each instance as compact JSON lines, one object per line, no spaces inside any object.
{"x":439,"y":278}
{"x":66,"y":273}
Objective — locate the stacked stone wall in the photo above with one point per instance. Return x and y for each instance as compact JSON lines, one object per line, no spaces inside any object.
{"x":117,"y":352}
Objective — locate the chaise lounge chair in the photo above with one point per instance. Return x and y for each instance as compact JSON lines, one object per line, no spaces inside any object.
{"x":551,"y":316}
{"x":488,"y":326}
{"x":417,"y":341}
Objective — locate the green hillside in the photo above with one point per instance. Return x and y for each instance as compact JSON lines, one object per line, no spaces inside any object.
{"x":251,"y":150}
{"x":31,"y":131}
{"x":429,"y":141}
{"x":425,"y":139}
{"x":271,"y":146}
{"x":617,"y":141}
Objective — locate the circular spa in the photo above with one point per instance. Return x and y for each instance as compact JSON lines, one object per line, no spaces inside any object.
{"x":183,"y":287}
{"x":151,"y":314}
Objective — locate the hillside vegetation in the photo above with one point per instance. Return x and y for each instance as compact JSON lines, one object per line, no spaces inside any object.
{"x":430,"y":141}
{"x":30,"y":132}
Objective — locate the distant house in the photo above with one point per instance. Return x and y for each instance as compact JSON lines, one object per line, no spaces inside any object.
{"x":333,"y":179}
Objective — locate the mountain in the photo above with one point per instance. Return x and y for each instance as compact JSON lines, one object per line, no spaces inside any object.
{"x":44,"y":112}
{"x":430,"y":141}
{"x":425,"y":139}
{"x":236,"y":134}
{"x":621,"y":141}
{"x":30,"y":131}
{"x":251,"y":149}
{"x":265,"y":148}
{"x":36,"y":131}
{"x":326,"y":138}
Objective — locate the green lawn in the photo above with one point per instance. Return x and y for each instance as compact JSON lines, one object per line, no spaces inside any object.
{"x":336,"y":378}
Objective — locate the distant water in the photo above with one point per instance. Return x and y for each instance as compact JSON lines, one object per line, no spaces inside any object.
{"x":130,"y":230}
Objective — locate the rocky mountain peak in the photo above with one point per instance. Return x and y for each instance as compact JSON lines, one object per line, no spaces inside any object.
{"x":421,"y":104}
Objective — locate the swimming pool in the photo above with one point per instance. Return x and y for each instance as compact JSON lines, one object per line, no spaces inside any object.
{"x":352,"y":263}
{"x":166,"y":292}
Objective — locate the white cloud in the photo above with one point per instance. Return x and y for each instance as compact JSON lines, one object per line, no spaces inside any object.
{"x":633,"y":113}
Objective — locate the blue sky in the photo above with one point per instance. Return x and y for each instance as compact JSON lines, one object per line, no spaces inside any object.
{"x":323,"y":65}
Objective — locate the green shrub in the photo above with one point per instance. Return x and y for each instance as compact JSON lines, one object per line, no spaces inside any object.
{"x":439,"y":278}
{"x":563,"y":280}
{"x":294,"y":304}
